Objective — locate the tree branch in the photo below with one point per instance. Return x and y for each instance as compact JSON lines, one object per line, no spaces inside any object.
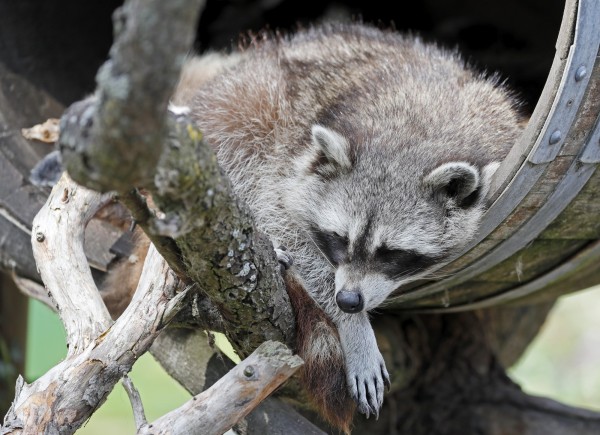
{"x":57,"y":239}
{"x":225,"y":255}
{"x":182,"y":352}
{"x":99,"y":354}
{"x":64,"y":398}
{"x":217,"y":409}
{"x":217,"y":246}
{"x":152,"y":40}
{"x":139,"y":416}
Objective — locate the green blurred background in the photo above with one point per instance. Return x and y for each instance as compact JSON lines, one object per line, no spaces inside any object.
{"x":563,"y":363}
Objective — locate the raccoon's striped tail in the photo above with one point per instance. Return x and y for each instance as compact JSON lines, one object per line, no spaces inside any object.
{"x":317,"y":342}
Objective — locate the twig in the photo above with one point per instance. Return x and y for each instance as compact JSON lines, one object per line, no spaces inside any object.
{"x":139,"y":416}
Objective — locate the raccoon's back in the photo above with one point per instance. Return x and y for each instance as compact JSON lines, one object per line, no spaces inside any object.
{"x":373,"y":87}
{"x":353,"y":78}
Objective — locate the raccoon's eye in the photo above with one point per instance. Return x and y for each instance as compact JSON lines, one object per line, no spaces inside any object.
{"x":334,"y":246}
{"x":398,"y":262}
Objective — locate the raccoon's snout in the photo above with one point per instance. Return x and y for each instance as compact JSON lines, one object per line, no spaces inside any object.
{"x":350,"y":301}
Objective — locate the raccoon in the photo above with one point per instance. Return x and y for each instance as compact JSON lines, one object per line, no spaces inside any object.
{"x":368,"y":155}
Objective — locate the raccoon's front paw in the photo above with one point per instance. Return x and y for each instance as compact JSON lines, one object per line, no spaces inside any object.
{"x":284,"y":257}
{"x":367,"y":378}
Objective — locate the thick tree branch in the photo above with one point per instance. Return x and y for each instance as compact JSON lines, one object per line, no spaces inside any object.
{"x":217,"y":246}
{"x":230,"y":261}
{"x":127,"y":118}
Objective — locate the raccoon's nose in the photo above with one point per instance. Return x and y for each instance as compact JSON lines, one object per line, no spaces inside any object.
{"x":350,"y":302}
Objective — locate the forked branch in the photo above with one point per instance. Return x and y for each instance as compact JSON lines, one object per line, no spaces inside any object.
{"x":101,"y":353}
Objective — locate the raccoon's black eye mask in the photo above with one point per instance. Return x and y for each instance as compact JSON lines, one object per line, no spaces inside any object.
{"x":394,"y":263}
{"x":334,"y":246}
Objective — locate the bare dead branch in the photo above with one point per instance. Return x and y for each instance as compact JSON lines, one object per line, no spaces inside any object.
{"x":99,"y":354}
{"x":139,"y":416}
{"x":65,"y":397}
{"x":184,"y":351}
{"x":217,"y":409}
{"x":57,"y":239}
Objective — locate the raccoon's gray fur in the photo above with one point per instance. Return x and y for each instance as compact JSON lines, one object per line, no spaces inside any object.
{"x":364,"y":152}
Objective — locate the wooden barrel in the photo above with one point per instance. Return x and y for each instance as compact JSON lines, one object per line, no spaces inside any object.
{"x":539,"y":237}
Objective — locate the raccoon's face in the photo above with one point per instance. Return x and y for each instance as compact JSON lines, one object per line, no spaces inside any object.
{"x":381,"y":223}
{"x":369,"y":266}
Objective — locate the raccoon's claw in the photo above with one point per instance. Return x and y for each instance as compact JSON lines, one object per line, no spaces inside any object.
{"x":367,"y":403}
{"x":367,"y":388}
{"x":284,"y":257}
{"x":386,"y":378}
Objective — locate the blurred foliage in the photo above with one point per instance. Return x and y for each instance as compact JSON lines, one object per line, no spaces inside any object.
{"x":563,"y":362}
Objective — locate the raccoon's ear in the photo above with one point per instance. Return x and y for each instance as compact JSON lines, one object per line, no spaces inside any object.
{"x":459,"y":182}
{"x":333,"y":151}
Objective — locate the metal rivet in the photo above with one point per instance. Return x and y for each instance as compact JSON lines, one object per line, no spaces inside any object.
{"x":580,"y":73}
{"x":40,"y":237}
{"x":249,"y":371}
{"x":555,"y":137}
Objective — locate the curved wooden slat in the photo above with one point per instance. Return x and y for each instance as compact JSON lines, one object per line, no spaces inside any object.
{"x":514,"y":220}
{"x":573,"y":265}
